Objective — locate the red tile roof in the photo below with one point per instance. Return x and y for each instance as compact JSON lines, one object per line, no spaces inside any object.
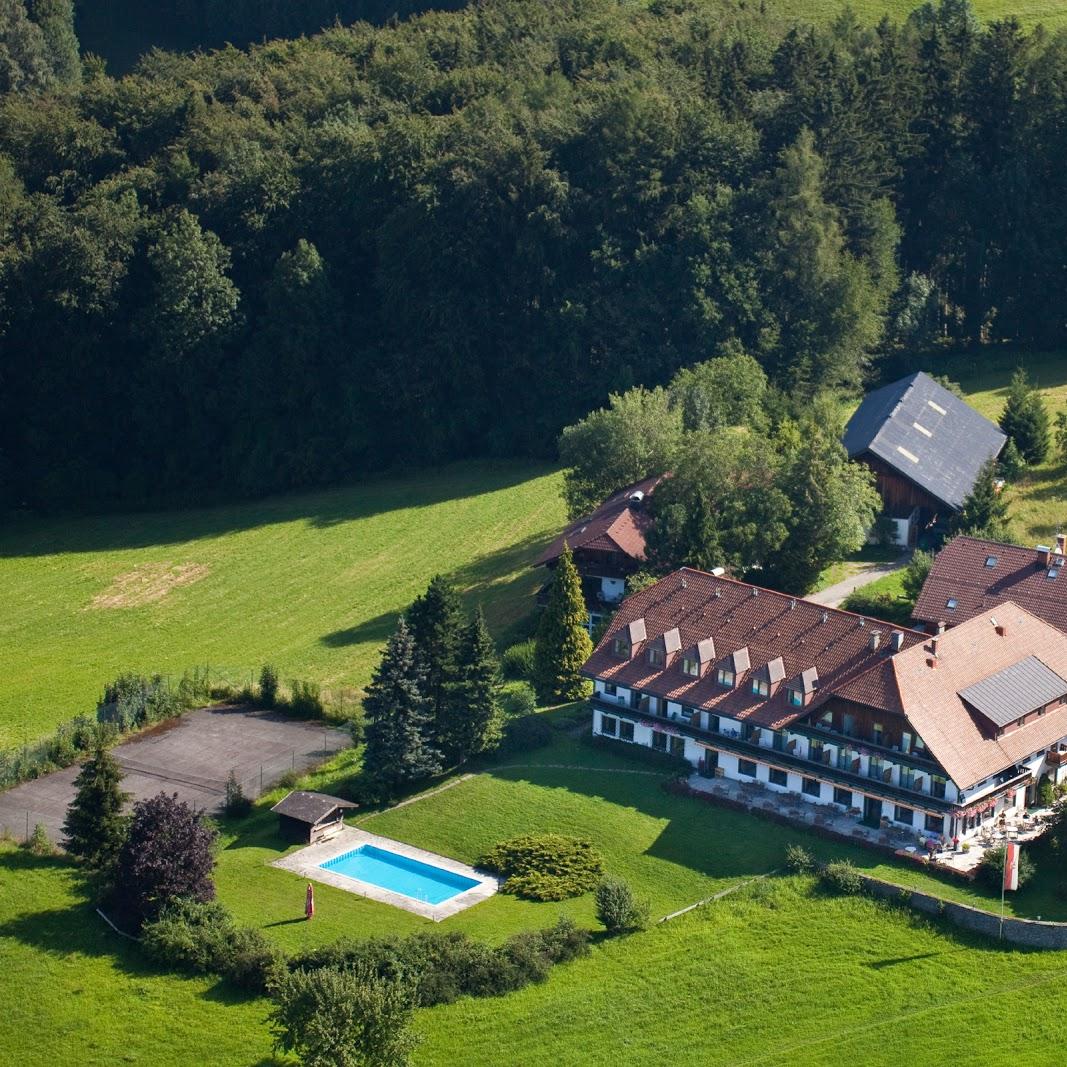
{"x":959,"y":738}
{"x":960,"y":573}
{"x":615,"y":526}
{"x":769,"y":625}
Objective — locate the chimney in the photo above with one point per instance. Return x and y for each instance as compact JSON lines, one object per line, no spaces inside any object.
{"x":1044,"y":555}
{"x":933,"y":645}
{"x":941,"y":627}
{"x":1061,"y":544}
{"x":1001,"y":629}
{"x":874,"y":640}
{"x":896,"y":640}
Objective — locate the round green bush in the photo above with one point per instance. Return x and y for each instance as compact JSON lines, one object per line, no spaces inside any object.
{"x":841,"y":877}
{"x":517,"y":662}
{"x":545,"y":866}
{"x":527,"y":733}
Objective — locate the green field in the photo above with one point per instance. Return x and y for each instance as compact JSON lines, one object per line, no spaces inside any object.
{"x":857,"y":982}
{"x":1050,"y":13}
{"x":312,"y":583}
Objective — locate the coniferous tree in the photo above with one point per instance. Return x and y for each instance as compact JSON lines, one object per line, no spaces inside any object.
{"x":436,"y":621}
{"x":1025,"y":418}
{"x":985,"y":511}
{"x":399,"y":733}
{"x":563,"y":643}
{"x":95,"y":826}
{"x":474,"y":720}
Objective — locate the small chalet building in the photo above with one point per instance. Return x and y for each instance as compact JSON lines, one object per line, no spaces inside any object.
{"x":925,"y":446}
{"x":311,"y":817}
{"x":971,"y":575}
{"x":897,"y":728}
{"x":608,"y":546}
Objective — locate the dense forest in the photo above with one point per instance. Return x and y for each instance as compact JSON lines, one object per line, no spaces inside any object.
{"x":451,"y":236}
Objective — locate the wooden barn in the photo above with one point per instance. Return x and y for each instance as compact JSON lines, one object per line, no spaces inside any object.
{"x":925,"y":446}
{"x":311,"y":817}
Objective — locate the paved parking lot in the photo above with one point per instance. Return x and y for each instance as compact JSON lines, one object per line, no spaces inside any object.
{"x":191,"y":756}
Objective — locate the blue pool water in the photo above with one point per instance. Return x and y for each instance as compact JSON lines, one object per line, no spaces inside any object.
{"x":411,"y":878}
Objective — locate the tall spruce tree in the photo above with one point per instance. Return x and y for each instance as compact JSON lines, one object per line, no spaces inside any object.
{"x":95,"y":826}
{"x":474,"y":718}
{"x":436,"y":620}
{"x":399,"y":737}
{"x":1025,"y":418}
{"x":563,"y":643}
{"x":985,"y":511}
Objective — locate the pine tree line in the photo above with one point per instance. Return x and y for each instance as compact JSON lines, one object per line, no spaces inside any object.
{"x":434,"y":700}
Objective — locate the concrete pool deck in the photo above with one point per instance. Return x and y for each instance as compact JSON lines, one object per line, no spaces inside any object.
{"x":307,"y":863}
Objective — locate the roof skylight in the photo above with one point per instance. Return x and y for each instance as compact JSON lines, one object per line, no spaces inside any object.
{"x":991,"y":561}
{"x":1052,"y":572}
{"x":951,"y":603}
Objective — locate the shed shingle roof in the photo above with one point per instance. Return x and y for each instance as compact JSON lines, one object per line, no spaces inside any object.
{"x":960,"y":573}
{"x":931,"y":437}
{"x":615,"y":526}
{"x":762,"y":628}
{"x":309,"y":807}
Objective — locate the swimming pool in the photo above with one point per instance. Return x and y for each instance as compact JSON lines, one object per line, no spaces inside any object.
{"x":400,"y":874}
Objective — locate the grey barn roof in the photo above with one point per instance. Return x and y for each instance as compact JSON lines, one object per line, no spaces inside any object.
{"x":1015,"y":691}
{"x":309,"y":807}
{"x":927,"y":434}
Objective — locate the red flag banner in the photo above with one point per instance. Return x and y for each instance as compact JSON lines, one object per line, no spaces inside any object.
{"x":1011,"y":865}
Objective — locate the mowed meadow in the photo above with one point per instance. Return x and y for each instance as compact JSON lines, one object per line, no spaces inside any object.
{"x":312,"y":583}
{"x":1050,"y":13}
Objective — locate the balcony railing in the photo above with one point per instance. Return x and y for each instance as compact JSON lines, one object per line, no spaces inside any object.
{"x":847,"y":770}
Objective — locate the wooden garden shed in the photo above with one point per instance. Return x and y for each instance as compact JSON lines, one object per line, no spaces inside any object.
{"x":311,"y":817}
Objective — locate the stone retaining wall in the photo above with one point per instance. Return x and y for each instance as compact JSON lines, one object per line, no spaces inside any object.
{"x":1033,"y":933}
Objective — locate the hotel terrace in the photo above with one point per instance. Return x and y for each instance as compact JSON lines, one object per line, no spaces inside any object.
{"x":895,"y":729}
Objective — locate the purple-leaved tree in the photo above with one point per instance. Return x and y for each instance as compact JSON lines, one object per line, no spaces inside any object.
{"x":169,"y":853}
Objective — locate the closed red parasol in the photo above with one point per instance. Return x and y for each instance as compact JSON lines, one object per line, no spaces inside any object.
{"x":309,"y":902}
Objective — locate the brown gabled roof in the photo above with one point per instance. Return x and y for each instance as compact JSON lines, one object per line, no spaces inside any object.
{"x":960,"y":574}
{"x":738,"y":617}
{"x":616,"y":526}
{"x":309,"y":807}
{"x":964,"y":744}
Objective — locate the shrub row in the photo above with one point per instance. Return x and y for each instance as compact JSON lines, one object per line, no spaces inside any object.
{"x":444,"y":966}
{"x":639,"y":753}
{"x":204,"y":939}
{"x":545,"y":866}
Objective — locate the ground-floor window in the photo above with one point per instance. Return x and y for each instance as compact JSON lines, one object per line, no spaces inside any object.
{"x":904,"y":815}
{"x":843,"y":796}
{"x":811,"y":786}
{"x":626,"y":730}
{"x":710,"y":762}
{"x":935,"y":823}
{"x":778,"y":777}
{"x":609,"y":725}
{"x":659,"y":741}
{"x":746,"y":767}
{"x":677,"y":746}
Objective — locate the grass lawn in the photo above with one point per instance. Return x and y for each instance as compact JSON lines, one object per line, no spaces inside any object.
{"x":1051,"y":13}
{"x":853,"y":978}
{"x":311,"y":583}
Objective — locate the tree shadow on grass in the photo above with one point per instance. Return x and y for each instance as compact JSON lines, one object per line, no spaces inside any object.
{"x":30,"y":536}
{"x":496,"y":582}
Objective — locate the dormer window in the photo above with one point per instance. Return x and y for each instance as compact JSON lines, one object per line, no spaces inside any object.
{"x":761,"y":687}
{"x":725,"y":677}
{"x":656,"y":657}
{"x":690,"y":667}
{"x":796,"y":698}
{"x":621,"y":647}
